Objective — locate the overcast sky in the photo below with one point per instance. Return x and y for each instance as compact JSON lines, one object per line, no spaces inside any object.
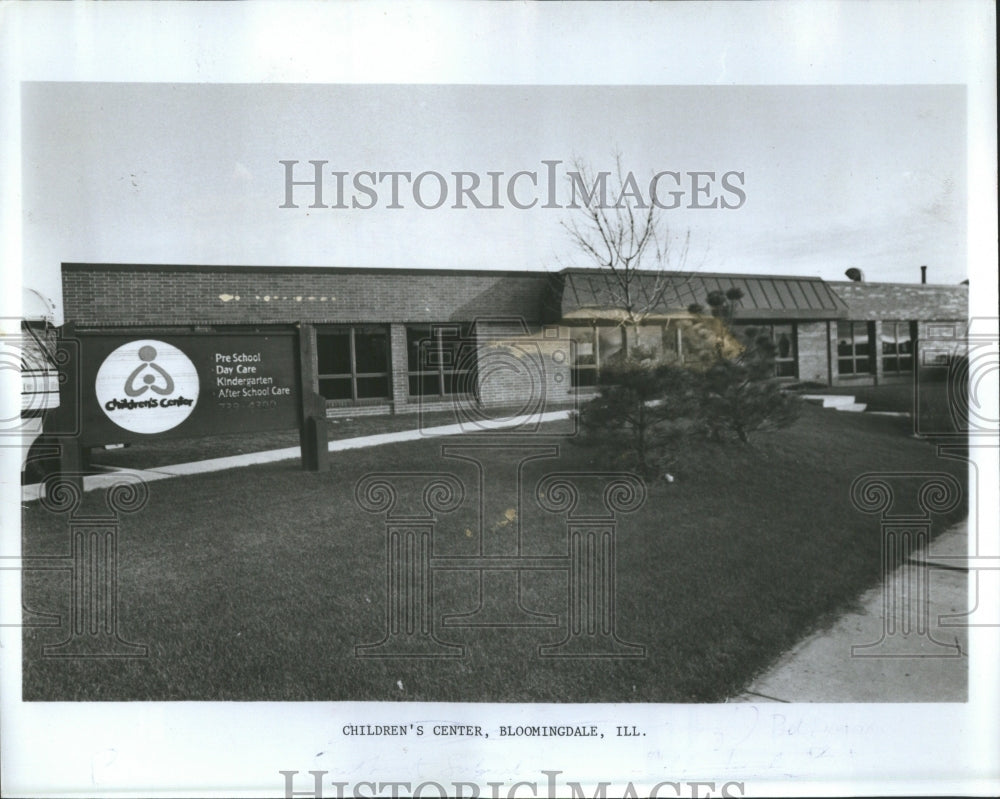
{"x":834,"y":176}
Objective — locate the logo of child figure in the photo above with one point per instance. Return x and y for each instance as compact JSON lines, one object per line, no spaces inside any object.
{"x":147,"y":386}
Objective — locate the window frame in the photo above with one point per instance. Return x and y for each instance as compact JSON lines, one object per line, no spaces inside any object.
{"x":353,"y":375}
{"x":446,"y":336}
{"x":779,"y":361}
{"x":672,"y":335}
{"x":594,"y":368}
{"x":896,"y":355}
{"x":869,"y":328}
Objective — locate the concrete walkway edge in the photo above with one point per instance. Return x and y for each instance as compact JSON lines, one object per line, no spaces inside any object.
{"x":906,"y":640}
{"x":93,"y":482}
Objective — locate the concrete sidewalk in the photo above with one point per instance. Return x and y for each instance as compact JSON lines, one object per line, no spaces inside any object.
{"x":92,"y":482}
{"x":840,"y":664}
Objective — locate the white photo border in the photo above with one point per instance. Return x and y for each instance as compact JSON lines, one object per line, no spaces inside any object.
{"x":239,"y":749}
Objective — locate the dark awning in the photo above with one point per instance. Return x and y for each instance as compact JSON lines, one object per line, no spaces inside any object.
{"x":596,"y":293}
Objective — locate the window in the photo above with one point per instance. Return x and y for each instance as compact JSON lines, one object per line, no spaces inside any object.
{"x":897,"y":347}
{"x":785,"y":354}
{"x":441,"y":359}
{"x":785,"y":346}
{"x":610,"y":345}
{"x":854,"y":348}
{"x":650,"y":340}
{"x":353,"y":363}
{"x":583,"y":371}
{"x":595,"y":346}
{"x":600,"y":345}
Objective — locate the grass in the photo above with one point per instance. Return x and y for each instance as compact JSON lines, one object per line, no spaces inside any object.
{"x":932,"y":408}
{"x":257,"y":583}
{"x":897,"y":397}
{"x":164,"y":452}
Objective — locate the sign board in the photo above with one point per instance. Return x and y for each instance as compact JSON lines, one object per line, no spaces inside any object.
{"x":136,"y":387}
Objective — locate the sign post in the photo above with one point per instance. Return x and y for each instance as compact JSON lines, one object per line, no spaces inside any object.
{"x":65,"y":421}
{"x":312,"y":427}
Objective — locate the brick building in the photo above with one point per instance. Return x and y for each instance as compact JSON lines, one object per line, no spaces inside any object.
{"x":389,"y":341}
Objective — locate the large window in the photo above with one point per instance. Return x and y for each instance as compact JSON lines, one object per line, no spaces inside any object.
{"x":855,"y":348}
{"x":785,"y":346}
{"x":897,"y":347}
{"x":599,"y":346}
{"x":596,"y":346}
{"x":353,"y":363}
{"x":441,"y":359}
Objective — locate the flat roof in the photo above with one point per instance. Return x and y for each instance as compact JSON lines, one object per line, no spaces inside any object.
{"x":343,"y":270}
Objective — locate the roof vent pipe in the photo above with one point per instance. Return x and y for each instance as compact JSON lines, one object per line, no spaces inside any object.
{"x":923,"y":274}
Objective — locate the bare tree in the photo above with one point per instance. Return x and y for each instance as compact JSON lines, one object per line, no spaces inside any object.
{"x":626,"y":236}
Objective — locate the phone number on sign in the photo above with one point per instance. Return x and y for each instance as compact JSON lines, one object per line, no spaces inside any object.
{"x":261,"y":405}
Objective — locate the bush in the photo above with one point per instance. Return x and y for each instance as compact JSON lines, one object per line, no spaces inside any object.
{"x":643,"y":409}
{"x":741,"y":396}
{"x":725,"y":389}
{"x":739,"y":405}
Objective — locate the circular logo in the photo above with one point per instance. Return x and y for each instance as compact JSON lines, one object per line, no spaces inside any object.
{"x":147,"y":386}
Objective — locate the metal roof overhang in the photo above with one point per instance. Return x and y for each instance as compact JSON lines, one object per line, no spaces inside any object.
{"x":594,"y":294}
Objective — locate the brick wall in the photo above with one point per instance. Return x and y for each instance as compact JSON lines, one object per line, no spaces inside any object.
{"x":903,"y":301}
{"x":527,"y":369}
{"x":813,"y":351}
{"x":120,"y":295}
{"x":398,"y":363}
{"x":522,"y":361}
{"x":889,"y":302}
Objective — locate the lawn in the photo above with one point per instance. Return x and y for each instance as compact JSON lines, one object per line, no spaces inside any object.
{"x":258,"y":583}
{"x":163,"y":452}
{"x":896,"y":397}
{"x":933,"y":400}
